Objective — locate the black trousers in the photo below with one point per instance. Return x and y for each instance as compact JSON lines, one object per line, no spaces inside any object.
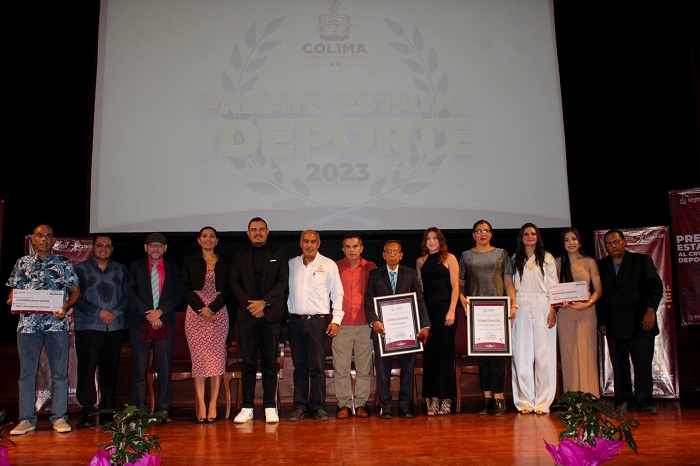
{"x":97,"y":350}
{"x":492,"y":373}
{"x":163,"y":358}
{"x":384,"y":364}
{"x":259,"y":338}
{"x":641,"y":350}
{"x":309,"y":343}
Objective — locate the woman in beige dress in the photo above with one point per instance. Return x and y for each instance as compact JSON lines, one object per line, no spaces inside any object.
{"x":576,"y":321}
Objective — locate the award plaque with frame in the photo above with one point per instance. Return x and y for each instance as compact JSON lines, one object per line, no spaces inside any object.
{"x":488,"y":326}
{"x":399,"y":315}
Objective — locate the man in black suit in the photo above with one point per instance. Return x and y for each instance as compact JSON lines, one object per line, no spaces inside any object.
{"x":154,"y":290}
{"x":259,"y":276}
{"x":405,"y":280}
{"x":632,"y":291}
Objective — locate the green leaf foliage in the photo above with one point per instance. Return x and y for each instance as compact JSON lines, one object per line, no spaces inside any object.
{"x":586,"y":418}
{"x":130,"y":439}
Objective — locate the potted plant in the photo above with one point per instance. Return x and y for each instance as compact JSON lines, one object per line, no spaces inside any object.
{"x":594,"y":432}
{"x":131,"y":444}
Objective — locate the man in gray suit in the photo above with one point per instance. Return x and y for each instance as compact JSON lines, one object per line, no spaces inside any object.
{"x":259,"y":276}
{"x":405,"y":280}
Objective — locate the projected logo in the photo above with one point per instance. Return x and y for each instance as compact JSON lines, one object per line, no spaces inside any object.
{"x":334,"y":33}
{"x":334,"y":26}
{"x":304,"y":149}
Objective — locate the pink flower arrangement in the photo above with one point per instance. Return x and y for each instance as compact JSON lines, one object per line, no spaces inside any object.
{"x":571,"y":453}
{"x":4,"y":460}
{"x":101,"y":458}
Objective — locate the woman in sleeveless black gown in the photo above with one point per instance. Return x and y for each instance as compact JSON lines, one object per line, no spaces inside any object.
{"x":439,"y":273}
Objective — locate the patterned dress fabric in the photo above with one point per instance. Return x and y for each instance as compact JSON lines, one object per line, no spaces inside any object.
{"x":207,"y":339}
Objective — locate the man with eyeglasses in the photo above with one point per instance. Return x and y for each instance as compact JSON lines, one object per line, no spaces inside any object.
{"x":632,"y":291}
{"x":99,"y":324}
{"x":354,"y":335}
{"x":43,"y":270}
{"x":385,"y":281}
{"x":154,"y":290}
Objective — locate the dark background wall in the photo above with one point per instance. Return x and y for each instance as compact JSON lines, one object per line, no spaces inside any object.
{"x":630,"y":85}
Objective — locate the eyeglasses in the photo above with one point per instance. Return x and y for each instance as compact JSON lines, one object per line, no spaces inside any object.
{"x":484,"y":231}
{"x":392,"y":252}
{"x":155,"y":245}
{"x":615,"y":242}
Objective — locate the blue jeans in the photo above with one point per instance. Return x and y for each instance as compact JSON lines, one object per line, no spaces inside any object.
{"x":29,"y":347}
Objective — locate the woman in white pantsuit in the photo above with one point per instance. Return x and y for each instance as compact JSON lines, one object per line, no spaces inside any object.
{"x":534,"y":331}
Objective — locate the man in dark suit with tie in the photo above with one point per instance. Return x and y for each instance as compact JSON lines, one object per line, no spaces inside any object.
{"x":632,"y":291}
{"x":154,"y":290}
{"x":259,"y":276}
{"x":384,"y":281}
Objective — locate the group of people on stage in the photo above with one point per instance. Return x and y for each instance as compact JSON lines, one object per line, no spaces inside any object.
{"x":328,"y":306}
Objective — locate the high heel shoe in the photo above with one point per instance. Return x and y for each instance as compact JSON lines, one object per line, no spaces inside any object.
{"x":445,"y":407}
{"x":499,"y":408}
{"x":211,"y":420}
{"x":200,"y":420}
{"x":434,"y":407}
{"x":488,"y":406}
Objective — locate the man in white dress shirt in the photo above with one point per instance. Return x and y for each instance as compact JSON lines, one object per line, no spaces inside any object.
{"x":314,"y":289}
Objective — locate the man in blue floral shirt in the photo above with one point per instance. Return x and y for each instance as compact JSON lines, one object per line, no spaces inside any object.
{"x":43,"y":270}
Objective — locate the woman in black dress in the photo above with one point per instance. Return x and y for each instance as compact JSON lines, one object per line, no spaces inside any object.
{"x":438,"y":271}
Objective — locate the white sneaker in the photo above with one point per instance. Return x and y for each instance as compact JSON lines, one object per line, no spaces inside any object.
{"x":60,"y":425}
{"x":244,"y":416}
{"x":271,"y":415}
{"x":22,"y":428}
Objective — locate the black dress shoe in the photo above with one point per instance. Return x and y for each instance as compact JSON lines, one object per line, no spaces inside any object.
{"x":385,"y":414}
{"x":298,"y":414}
{"x":167,"y":419}
{"x":321,"y":414}
{"x":649,"y":409}
{"x":87,"y":421}
{"x":405,"y":413}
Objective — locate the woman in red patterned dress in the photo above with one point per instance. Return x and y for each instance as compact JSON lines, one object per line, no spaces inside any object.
{"x":205,"y":280}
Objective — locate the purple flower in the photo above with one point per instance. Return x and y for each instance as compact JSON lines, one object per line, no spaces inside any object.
{"x":101,"y":458}
{"x":571,"y":453}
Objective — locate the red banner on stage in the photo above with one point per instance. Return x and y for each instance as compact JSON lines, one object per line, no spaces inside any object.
{"x":685,"y":221}
{"x":655,"y":242}
{"x":76,"y":250}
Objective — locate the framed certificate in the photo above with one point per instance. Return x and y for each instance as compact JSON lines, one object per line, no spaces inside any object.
{"x":488,"y":326}
{"x":399,"y":315}
{"x":36,"y":301}
{"x":568,"y":291}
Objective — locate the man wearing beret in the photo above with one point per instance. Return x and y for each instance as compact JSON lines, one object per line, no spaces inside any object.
{"x":154,"y":290}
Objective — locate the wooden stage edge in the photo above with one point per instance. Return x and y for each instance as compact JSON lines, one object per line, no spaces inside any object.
{"x":668,"y":438}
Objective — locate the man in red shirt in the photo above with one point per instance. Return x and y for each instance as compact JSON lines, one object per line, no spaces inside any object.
{"x":354,"y":334}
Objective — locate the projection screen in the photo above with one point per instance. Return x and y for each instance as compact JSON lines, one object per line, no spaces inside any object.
{"x":327,"y":114}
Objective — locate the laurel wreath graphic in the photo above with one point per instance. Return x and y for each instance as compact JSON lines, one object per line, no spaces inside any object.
{"x":404,"y":177}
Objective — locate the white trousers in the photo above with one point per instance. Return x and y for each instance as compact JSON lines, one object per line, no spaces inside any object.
{"x":534,"y":354}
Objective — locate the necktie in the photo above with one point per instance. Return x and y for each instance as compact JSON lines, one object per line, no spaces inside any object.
{"x":155,"y":285}
{"x":392,"y":279}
